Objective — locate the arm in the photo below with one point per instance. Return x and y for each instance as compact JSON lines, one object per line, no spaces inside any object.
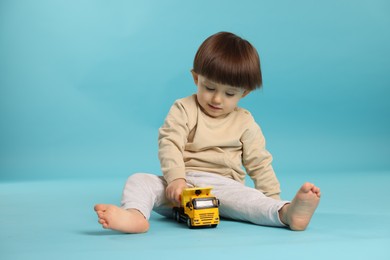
{"x":172,"y":140}
{"x":257,"y":162}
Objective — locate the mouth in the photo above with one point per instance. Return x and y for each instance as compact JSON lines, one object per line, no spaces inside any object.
{"x":214,"y":107}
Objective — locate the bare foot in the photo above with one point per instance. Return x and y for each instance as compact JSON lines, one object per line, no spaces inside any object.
{"x":126,"y":221}
{"x":297,"y":215}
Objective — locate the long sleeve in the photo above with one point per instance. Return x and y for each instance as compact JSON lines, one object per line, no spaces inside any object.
{"x":172,"y":140}
{"x":257,"y":162}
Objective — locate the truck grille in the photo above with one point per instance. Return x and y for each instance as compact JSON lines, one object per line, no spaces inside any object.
{"x":206,"y":218}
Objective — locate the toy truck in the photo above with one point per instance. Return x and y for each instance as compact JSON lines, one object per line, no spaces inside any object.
{"x":198,"y":208}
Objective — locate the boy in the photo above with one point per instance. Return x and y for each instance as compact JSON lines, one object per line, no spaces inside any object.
{"x":205,"y":141}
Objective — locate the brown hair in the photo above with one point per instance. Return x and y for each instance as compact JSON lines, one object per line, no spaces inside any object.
{"x":226,"y":58}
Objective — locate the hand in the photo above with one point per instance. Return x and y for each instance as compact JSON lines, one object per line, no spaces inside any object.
{"x":174,"y":189}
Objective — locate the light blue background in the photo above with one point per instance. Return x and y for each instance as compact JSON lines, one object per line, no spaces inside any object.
{"x":84,"y":85}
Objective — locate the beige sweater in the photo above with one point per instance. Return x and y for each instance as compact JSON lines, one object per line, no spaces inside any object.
{"x":189,"y":140}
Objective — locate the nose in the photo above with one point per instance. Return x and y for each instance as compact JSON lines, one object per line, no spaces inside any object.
{"x":217,"y":99}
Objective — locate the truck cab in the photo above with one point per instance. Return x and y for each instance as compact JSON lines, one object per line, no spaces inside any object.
{"x":198,"y":208}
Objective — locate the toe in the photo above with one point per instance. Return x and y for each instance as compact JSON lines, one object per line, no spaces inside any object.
{"x":105,"y":226}
{"x":100,"y":207}
{"x":316,"y":189}
{"x":306,"y":187}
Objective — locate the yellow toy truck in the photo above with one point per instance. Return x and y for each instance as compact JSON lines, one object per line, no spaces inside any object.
{"x":198,"y":208}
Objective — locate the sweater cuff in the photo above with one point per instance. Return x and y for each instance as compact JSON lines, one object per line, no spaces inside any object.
{"x":173,"y":174}
{"x":275,"y":196}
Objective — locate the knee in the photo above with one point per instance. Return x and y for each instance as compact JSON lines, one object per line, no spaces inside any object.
{"x":142,"y":178}
{"x":137,"y":177}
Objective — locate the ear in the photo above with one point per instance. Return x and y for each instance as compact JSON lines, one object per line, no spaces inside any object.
{"x":246,"y":92}
{"x":195,"y":76}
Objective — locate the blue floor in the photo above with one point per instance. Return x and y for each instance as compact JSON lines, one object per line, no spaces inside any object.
{"x":55,"y":220}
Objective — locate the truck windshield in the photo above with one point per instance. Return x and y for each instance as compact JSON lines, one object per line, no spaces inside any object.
{"x":205,"y":203}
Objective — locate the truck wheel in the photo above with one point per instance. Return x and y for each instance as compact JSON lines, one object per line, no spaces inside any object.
{"x":177,"y":217}
{"x":176,"y":214}
{"x":214,"y":225}
{"x":189,"y":223}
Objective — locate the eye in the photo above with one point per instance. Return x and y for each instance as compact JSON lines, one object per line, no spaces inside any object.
{"x":209,"y":88}
{"x":230,"y":94}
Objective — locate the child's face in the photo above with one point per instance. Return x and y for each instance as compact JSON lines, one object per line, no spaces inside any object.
{"x":217,"y":100}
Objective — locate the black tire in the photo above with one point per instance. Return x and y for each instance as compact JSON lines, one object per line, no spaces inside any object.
{"x":176,"y":214}
{"x":189,"y":224}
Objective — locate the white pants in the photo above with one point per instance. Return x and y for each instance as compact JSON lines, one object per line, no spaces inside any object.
{"x":146,"y":192}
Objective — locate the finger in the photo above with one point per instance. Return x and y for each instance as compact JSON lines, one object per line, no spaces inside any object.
{"x":172,"y":197}
{"x":168,"y":194}
{"x":177,"y":198}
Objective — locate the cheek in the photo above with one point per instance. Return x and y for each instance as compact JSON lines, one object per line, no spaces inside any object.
{"x":202,"y":96}
{"x":233,"y":103}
